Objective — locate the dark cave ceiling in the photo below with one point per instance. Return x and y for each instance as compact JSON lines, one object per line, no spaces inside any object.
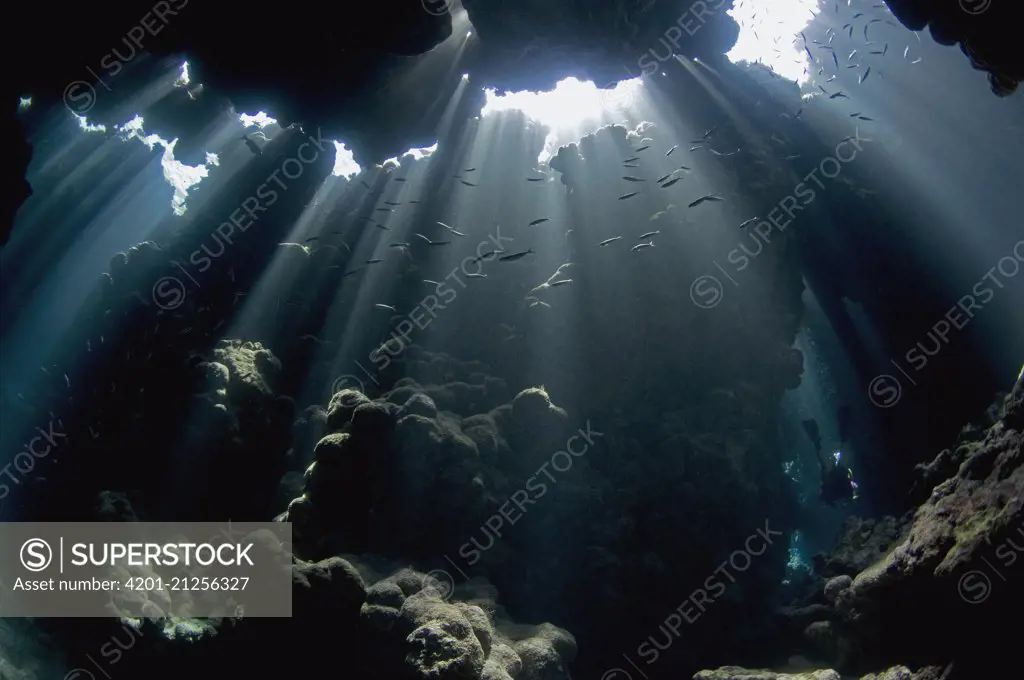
{"x":355,"y":72}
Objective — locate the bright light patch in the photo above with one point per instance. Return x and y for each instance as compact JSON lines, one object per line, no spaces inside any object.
{"x":775,"y":27}
{"x":85,"y":125}
{"x":180,"y":176}
{"x":567,"y":108}
{"x":465,"y":76}
{"x":796,"y":560}
{"x":344,"y":162}
{"x":24,"y":103}
{"x":421,"y":153}
{"x":260,"y":120}
{"x":183,"y":79}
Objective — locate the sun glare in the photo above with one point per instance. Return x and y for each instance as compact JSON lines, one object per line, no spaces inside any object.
{"x":574,"y":107}
{"x":769,"y":33}
{"x":344,"y":162}
{"x":260,"y":120}
{"x":181,"y":177}
{"x":183,"y":78}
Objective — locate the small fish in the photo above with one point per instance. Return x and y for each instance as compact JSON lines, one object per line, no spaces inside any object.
{"x":398,"y":245}
{"x":605,"y":242}
{"x":916,"y":61}
{"x":539,"y":221}
{"x":669,"y":152}
{"x":630,"y":178}
{"x":470,"y":275}
{"x":631,"y":195}
{"x":384,"y":210}
{"x":387,"y":307}
{"x":792,"y":157}
{"x":536,"y":179}
{"x":515,"y":256}
{"x":648,"y":235}
{"x":364,"y":184}
{"x":540,"y":302}
{"x":468,"y":184}
{"x":630,"y":160}
{"x":644,"y":148}
{"x":865,"y":118}
{"x":438,"y":243}
{"x":488,"y":256}
{"x":864,"y":76}
{"x":638,"y":246}
{"x":560,"y":282}
{"x":400,"y":179}
{"x":456,"y":232}
{"x":749,"y":222}
{"x":469,"y":170}
{"x":311,"y":238}
{"x":840,"y":93}
{"x":709,"y":197}
{"x":906,"y":52}
{"x":375,"y":260}
{"x":630,"y":165}
{"x":390,"y":203}
{"x":666,"y":185}
{"x":381,"y":226}
{"x":430,"y":282}
{"x":662,"y":179}
{"x":835,"y":59}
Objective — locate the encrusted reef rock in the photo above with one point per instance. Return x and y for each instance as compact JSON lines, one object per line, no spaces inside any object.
{"x":403,"y":475}
{"x":943,"y":587}
{"x":445,"y":638}
{"x":933,"y":589}
{"x":861,"y":543}
{"x":737,"y":673}
{"x":403,"y":626}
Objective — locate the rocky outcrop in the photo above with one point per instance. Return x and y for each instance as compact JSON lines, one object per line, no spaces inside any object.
{"x":861,"y":543}
{"x":736,"y":673}
{"x":982,"y":28}
{"x":402,"y":626}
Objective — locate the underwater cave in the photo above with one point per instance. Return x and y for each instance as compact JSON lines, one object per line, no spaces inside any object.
{"x":477,"y":340}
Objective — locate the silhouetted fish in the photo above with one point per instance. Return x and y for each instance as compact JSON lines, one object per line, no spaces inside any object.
{"x":515,"y":256}
{"x":709,"y":197}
